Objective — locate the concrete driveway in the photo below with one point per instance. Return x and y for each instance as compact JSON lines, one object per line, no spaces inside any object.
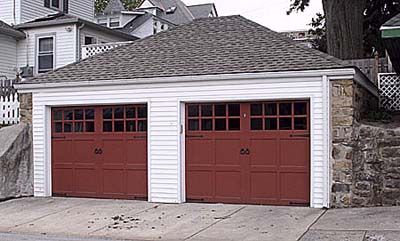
{"x":137,"y":220}
{"x":72,"y":219}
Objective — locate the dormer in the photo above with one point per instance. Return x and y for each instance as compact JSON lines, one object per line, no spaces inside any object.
{"x":20,"y":11}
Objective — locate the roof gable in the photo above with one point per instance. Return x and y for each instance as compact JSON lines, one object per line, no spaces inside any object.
{"x":209,"y":46}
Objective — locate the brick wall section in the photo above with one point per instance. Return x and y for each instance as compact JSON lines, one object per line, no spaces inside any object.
{"x":25,"y":101}
{"x":349,"y":104}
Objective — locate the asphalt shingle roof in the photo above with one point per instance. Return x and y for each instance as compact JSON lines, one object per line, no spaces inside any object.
{"x":393,"y":22}
{"x":208,"y":46}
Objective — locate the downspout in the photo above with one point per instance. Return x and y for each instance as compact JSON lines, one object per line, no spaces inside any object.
{"x":78,"y":42}
{"x":14,"y":13}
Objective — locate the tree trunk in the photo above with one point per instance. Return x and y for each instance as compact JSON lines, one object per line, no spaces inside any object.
{"x":344,"y":27}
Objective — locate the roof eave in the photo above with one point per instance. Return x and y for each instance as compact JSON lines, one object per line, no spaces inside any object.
{"x":13,"y":33}
{"x":339,"y":73}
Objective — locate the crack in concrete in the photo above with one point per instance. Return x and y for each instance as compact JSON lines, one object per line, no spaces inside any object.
{"x":216,"y":222}
{"x":312,"y":224}
{"x":44,"y":216}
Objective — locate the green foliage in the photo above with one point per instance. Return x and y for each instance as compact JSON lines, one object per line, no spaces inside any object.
{"x":298,"y":5}
{"x":100,"y":5}
{"x":318,"y":29}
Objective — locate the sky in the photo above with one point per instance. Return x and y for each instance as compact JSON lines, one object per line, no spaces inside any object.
{"x":270,"y":13}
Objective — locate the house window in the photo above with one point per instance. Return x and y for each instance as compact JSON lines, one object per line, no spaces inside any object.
{"x":90,"y":40}
{"x":114,"y":22}
{"x":45,"y":56}
{"x":102,"y":22}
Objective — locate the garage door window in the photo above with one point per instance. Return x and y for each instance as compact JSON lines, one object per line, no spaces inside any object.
{"x":125,"y":119}
{"x":73,"y":120}
{"x":213,"y":117}
{"x":279,"y":116}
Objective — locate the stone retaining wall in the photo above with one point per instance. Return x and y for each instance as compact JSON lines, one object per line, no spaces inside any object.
{"x":376,"y":166}
{"x":16,"y":161}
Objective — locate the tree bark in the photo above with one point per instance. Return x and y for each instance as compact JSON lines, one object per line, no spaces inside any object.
{"x":344,"y":28}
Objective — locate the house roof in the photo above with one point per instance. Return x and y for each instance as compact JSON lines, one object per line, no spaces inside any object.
{"x":208,"y":46}
{"x":114,"y":6}
{"x":10,"y":31}
{"x":393,"y":22}
{"x":62,"y":18}
{"x":181,"y":14}
{"x":202,"y":10}
{"x":139,"y":21}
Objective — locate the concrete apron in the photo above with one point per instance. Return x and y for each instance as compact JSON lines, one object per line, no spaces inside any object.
{"x":138,"y":220}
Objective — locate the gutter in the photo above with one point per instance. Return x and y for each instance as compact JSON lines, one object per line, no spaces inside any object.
{"x":74,"y":20}
{"x":331,"y":73}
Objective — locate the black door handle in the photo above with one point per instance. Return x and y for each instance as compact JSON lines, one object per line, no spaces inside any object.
{"x":98,"y":151}
{"x":247,"y":152}
{"x":242,"y":151}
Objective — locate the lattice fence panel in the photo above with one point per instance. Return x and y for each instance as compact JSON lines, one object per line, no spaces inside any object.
{"x":389,"y":91}
{"x":9,"y":109}
{"x":93,"y":49}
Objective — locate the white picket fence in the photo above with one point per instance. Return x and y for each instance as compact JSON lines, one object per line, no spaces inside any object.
{"x":9,"y":104}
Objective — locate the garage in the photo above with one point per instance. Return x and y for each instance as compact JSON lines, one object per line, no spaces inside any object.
{"x":100,"y":151}
{"x":254,"y":152}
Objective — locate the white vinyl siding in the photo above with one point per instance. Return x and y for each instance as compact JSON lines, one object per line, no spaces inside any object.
{"x":8,"y":56}
{"x":145,"y":30}
{"x":82,"y":9}
{"x":31,"y":9}
{"x":65,"y":45}
{"x":165,"y":142}
{"x":7,"y":11}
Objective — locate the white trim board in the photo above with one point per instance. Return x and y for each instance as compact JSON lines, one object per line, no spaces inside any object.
{"x":165,"y":109}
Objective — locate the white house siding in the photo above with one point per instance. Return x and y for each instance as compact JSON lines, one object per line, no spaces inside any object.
{"x":31,"y":9}
{"x":82,"y":8}
{"x":6,"y":11}
{"x":65,"y":43}
{"x":165,"y":156}
{"x":145,"y":30}
{"x":8,"y":56}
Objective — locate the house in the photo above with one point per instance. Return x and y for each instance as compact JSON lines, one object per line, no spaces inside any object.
{"x":152,"y":16}
{"x":215,"y":110}
{"x":39,"y":36}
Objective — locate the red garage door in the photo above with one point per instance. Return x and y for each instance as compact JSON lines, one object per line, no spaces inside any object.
{"x":257,"y":153}
{"x":100,"y":151}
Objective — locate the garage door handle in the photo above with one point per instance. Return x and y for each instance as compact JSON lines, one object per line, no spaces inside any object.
{"x":242,"y":151}
{"x":247,"y":152}
{"x":98,"y":151}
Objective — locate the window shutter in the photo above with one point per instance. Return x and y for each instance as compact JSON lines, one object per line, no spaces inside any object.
{"x":47,"y":3}
{"x":65,"y":7}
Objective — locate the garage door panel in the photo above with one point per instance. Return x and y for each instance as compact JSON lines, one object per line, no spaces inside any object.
{"x":294,"y":187}
{"x":228,"y":184}
{"x":264,"y":152}
{"x":62,"y":151}
{"x":197,"y":155}
{"x":264,"y":185}
{"x":114,"y":151}
{"x":137,"y":183}
{"x":83,"y":150}
{"x":63,"y":180}
{"x":136,"y":151}
{"x":201,"y":184}
{"x":113,"y":182}
{"x":226,"y":152}
{"x":85,"y":181}
{"x":294,"y":152}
